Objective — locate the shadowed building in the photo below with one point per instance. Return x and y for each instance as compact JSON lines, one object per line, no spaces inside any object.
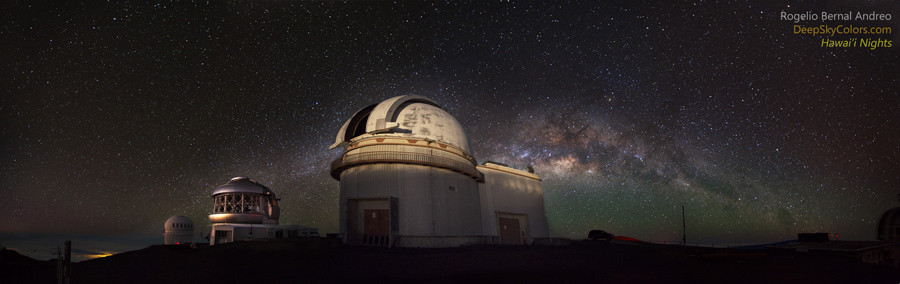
{"x":889,"y":225}
{"x":408,"y":178}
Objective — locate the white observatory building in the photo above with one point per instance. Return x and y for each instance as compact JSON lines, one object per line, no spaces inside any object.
{"x":179,"y":230}
{"x":245,"y":209}
{"x":408,"y":179}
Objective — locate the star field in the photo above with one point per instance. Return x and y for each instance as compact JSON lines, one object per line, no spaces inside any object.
{"x":116,"y":116}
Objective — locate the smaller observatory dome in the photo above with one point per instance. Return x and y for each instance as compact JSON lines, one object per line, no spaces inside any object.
{"x":243,"y":185}
{"x":243,"y":200}
{"x":179,"y":230}
{"x":405,"y":116}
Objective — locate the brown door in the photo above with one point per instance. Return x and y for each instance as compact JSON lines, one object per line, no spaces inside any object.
{"x":509,"y":232}
{"x":376,"y":227}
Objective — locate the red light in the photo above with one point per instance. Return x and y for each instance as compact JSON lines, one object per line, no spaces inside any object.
{"x":177,"y":243}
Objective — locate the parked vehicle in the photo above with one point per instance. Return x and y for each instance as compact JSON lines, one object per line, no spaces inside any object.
{"x":600,"y":235}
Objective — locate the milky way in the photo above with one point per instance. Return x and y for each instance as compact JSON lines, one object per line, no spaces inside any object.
{"x":117,"y":116}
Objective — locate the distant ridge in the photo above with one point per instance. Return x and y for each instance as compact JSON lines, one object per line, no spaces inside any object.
{"x":17,"y":268}
{"x":11,"y":257}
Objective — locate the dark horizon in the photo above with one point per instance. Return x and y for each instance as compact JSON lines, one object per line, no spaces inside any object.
{"x":87,"y":247}
{"x":325,"y":260}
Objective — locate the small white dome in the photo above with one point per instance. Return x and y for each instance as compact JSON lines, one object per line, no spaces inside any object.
{"x":179,"y":231}
{"x":179,"y":224}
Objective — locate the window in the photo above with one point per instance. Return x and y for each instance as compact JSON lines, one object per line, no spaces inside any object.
{"x":239,"y":203}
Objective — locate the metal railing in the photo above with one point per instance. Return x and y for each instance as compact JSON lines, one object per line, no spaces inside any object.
{"x":346,"y":161}
{"x":375,"y":240}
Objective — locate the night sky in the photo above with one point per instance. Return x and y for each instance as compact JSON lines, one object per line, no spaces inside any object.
{"x":117,"y":116}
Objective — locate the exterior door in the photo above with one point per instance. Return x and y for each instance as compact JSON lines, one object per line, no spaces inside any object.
{"x":510,"y":233}
{"x":221,"y":237}
{"x":376,"y":227}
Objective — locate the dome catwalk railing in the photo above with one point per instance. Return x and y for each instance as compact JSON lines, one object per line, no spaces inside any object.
{"x":346,"y":161}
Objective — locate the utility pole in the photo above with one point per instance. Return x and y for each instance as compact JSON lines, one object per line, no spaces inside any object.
{"x":64,"y":263}
{"x":683,"y":229}
{"x":684,"y":245}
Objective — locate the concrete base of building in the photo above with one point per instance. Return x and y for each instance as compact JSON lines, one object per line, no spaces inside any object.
{"x":437,"y":242}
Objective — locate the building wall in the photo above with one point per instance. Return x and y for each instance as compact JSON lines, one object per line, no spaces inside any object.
{"x":889,"y":225}
{"x":511,"y":192}
{"x":432,"y":214}
{"x":172,"y":238}
{"x":240,"y":232}
{"x":427,"y":204}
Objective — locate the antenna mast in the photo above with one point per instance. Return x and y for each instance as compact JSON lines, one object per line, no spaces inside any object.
{"x":683,"y":228}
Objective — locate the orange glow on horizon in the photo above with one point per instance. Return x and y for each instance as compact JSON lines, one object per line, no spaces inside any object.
{"x":98,"y":255}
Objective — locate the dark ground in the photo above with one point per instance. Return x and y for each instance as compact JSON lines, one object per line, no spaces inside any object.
{"x":326,"y":261}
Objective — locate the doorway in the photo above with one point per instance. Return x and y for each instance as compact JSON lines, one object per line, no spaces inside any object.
{"x":512,"y":228}
{"x":376,"y":227}
{"x":222,"y":237}
{"x":510,"y":232}
{"x":372,"y":221}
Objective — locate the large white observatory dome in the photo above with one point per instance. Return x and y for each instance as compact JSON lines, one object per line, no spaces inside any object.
{"x":405,"y":116}
{"x":406,"y":156}
{"x":179,"y":230}
{"x":408,"y":178}
{"x":410,"y":130}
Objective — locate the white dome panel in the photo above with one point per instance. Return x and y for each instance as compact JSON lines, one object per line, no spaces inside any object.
{"x":431,"y":122}
{"x":405,"y":116}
